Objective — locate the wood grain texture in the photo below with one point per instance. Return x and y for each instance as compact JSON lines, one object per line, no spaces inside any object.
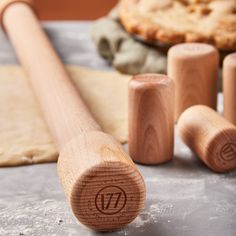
{"x":103,"y":186}
{"x":194,"y":68}
{"x":151,"y":118}
{"x":109,"y":192}
{"x":210,"y":136}
{"x":229,"y":87}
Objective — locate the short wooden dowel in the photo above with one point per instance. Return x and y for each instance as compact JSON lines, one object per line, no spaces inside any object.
{"x":151,"y":118}
{"x":210,"y":136}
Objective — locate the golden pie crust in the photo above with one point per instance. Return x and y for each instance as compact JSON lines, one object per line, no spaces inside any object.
{"x":176,"y":21}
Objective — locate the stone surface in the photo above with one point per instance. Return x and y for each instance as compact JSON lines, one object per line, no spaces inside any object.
{"x":184,"y":198}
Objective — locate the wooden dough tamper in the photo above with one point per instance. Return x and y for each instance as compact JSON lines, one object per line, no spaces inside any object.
{"x":210,"y":136}
{"x":151,"y":118}
{"x":229,"y":87}
{"x":194,"y":69}
{"x":102,"y":184}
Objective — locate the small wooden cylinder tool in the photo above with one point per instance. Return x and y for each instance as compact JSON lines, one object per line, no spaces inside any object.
{"x":229,"y":87}
{"x":151,"y":118}
{"x":103,"y":186}
{"x":194,"y":68}
{"x":211,"y":136}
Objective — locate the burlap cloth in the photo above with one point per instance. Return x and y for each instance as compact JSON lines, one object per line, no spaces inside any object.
{"x":126,"y":54}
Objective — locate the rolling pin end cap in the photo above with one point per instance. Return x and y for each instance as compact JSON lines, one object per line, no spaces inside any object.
{"x":106,"y":203}
{"x":104,"y":195}
{"x":221,"y":156}
{"x":6,"y":3}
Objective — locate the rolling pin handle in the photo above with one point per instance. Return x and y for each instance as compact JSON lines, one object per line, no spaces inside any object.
{"x":4,"y":4}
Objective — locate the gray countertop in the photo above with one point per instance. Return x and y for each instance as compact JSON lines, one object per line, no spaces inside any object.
{"x":184,"y":198}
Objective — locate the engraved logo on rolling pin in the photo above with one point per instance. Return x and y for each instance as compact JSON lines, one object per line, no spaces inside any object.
{"x":228,"y":152}
{"x":110,"y":200}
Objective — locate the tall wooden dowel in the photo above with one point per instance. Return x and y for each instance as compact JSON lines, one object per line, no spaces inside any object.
{"x":194,"y":68}
{"x":229,"y":87}
{"x":103,"y":186}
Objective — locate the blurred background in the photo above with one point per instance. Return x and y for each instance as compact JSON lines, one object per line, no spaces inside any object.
{"x":73,"y":9}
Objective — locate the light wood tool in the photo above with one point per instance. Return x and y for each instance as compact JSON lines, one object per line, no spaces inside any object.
{"x":229,"y":87}
{"x":151,"y":118}
{"x":212,"y":137}
{"x":194,"y":68}
{"x":103,"y":186}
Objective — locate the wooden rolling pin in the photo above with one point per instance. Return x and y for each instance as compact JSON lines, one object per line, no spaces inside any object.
{"x":211,"y":136}
{"x":102,"y":184}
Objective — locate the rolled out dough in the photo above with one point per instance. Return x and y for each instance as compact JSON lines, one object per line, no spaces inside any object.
{"x":24,"y":137}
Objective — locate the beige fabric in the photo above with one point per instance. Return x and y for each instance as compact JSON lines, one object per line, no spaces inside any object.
{"x":126,"y":54}
{"x":24,"y":137}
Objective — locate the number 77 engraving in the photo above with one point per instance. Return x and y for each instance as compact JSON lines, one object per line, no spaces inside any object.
{"x":110,"y":200}
{"x":110,"y":197}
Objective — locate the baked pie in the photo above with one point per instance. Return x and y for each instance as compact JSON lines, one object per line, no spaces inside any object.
{"x":176,"y":21}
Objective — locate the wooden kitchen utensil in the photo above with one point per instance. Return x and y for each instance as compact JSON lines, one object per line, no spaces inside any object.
{"x":103,"y":186}
{"x":212,"y":137}
{"x":229,"y":87}
{"x":151,"y":118}
{"x":194,"y":68}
